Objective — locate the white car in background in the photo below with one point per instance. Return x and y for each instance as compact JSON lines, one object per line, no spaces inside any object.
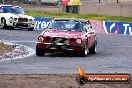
{"x":14,"y":17}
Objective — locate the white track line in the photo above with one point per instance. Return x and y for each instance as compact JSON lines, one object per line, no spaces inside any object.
{"x":23,"y":41}
{"x":116,"y":46}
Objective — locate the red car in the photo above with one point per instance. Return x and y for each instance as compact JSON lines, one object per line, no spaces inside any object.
{"x":67,"y":35}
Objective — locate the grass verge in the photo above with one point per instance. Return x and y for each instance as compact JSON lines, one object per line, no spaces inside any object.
{"x":80,"y":16}
{"x":5,"y":49}
{"x":3,"y":46}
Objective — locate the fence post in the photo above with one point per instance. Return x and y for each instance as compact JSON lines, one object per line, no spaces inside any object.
{"x":10,"y":1}
{"x":121,"y":10}
{"x":99,"y":1}
{"x":117,"y":1}
{"x":59,"y":4}
{"x":3,"y":1}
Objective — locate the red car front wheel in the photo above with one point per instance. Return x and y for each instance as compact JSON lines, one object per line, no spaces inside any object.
{"x":84,"y":53}
{"x":39,"y":52}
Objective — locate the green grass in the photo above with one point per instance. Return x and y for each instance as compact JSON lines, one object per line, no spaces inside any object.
{"x":81,"y":16}
{"x":3,"y":46}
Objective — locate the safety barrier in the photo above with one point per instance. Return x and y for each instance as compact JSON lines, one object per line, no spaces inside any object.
{"x":118,"y":27}
{"x":41,"y":22}
{"x":99,"y":26}
{"x":112,"y":27}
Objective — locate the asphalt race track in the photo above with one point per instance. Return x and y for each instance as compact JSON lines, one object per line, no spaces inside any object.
{"x":113,"y":55}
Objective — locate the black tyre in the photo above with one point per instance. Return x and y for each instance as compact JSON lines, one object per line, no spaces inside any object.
{"x":3,"y":23}
{"x":92,"y":50}
{"x":30,"y":29}
{"x":10,"y":28}
{"x":40,"y":52}
{"x":81,"y":80}
{"x":84,"y":53}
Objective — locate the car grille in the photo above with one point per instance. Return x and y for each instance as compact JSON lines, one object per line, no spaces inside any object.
{"x":22,"y":20}
{"x":60,"y":40}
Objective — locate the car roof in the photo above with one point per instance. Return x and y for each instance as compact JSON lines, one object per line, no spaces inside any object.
{"x":6,"y":5}
{"x":68,"y":19}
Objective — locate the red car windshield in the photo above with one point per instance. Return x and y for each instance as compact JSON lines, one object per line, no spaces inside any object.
{"x":66,"y":25}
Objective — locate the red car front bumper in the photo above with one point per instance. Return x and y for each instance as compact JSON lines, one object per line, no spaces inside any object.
{"x":50,"y":48}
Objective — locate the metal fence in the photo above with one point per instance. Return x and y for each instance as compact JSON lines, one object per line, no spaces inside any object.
{"x":108,"y":7}
{"x":108,"y":1}
{"x":103,"y":7}
{"x":55,"y":1}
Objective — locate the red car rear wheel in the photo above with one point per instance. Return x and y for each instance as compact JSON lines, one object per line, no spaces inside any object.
{"x":92,"y":50}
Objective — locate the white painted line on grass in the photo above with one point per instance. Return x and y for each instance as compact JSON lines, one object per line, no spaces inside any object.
{"x":29,"y":52}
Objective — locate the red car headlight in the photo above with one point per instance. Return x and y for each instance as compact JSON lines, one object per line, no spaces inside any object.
{"x":40,"y":38}
{"x":72,"y":40}
{"x":48,"y":39}
{"x":79,"y":41}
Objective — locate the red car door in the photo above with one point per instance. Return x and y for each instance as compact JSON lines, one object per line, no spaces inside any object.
{"x":91,"y":35}
{"x":92,"y":38}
